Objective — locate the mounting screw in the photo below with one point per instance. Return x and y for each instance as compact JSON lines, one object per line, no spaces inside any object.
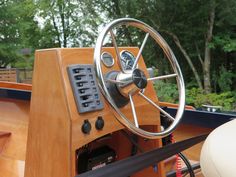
{"x":99,"y":123}
{"x":86,"y":127}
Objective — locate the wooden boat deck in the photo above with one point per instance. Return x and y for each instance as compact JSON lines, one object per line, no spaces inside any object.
{"x":17,"y":110}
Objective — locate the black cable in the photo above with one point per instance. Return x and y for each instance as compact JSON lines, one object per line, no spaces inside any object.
{"x":187,"y":163}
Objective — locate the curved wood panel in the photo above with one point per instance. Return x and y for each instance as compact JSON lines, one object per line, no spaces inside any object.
{"x":15,"y":86}
{"x":14,"y":115}
{"x":172,"y":105}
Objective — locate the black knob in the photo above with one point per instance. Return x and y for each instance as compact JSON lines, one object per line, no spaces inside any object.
{"x":99,"y":123}
{"x":86,"y":127}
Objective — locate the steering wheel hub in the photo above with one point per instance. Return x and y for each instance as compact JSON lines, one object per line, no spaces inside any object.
{"x":139,"y":78}
{"x":132,"y":82}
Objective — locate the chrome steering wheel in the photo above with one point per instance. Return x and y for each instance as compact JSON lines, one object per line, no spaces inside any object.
{"x":134,"y":81}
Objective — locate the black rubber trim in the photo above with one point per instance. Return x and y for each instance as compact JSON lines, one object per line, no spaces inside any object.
{"x":15,"y":94}
{"x":203,"y":118}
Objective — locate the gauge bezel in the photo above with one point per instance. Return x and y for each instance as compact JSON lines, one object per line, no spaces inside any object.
{"x":104,"y":62}
{"x":121,"y":64}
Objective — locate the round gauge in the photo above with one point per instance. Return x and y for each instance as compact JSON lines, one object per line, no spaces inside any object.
{"x":127,"y":60}
{"x":107,"y":59}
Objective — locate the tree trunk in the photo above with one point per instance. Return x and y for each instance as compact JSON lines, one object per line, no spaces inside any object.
{"x":207,"y":58}
{"x":177,"y":42}
{"x":52,"y":15}
{"x":61,"y":6}
{"x":56,"y":29}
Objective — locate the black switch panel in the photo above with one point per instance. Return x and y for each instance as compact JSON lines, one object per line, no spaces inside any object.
{"x":85,"y":88}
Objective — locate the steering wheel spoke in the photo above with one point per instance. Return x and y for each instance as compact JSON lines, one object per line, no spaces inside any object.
{"x":133,"y":111}
{"x":162,"y":77}
{"x":116,"y":48}
{"x":140,"y":51}
{"x":156,"y":106}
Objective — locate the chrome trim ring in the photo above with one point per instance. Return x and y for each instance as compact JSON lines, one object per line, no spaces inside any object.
{"x":104,"y":62}
{"x":125,"y":70}
{"x":172,"y":59}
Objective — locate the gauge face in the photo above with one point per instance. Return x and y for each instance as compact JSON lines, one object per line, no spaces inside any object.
{"x":107,"y":59}
{"x":127,"y":60}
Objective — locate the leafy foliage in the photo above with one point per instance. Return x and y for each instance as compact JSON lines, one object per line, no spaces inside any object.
{"x":166,"y":91}
{"x":226,"y":79}
{"x":18,"y":30}
{"x":197,"y":98}
{"x":224,"y":41}
{"x":188,"y":21}
{"x":69,"y":23}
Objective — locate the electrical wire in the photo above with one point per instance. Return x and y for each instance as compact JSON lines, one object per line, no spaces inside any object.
{"x":187,"y":163}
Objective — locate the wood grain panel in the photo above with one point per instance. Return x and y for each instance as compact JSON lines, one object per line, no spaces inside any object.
{"x":14,"y":119}
{"x":55,"y":125}
{"x":49,"y":137}
{"x":3,"y":139}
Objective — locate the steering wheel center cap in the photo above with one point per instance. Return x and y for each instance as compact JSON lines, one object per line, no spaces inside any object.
{"x":139,"y":78}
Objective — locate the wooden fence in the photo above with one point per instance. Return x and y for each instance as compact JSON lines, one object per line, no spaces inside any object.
{"x":9,"y":75}
{"x":16,"y":75}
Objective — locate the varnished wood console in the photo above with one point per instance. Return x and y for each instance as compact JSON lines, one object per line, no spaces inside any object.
{"x":55,"y":135}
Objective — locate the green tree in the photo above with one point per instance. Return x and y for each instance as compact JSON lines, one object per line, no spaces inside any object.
{"x":192,"y":27}
{"x":8,"y":34}
{"x":18,"y":30}
{"x":73,"y":23}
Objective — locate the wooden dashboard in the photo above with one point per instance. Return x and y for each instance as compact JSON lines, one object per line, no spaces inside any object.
{"x":55,"y":133}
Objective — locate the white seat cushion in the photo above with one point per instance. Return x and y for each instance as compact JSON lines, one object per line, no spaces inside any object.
{"x":218,"y":155}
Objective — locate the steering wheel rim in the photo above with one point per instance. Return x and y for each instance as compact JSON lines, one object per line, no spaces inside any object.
{"x":175,"y":66}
